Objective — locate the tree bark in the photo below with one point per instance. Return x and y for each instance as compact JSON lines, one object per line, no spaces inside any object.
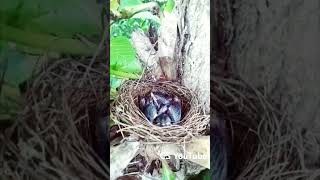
{"x":276,"y":46}
{"x":193,"y":49}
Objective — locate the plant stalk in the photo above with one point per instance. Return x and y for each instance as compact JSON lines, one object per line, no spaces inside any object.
{"x":124,"y":74}
{"x":45,"y":42}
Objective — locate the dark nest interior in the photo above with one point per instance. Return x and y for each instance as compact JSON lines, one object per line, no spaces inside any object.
{"x":126,"y":113}
{"x":261,"y":143}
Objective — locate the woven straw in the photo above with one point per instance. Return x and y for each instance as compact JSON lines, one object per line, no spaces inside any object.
{"x":126,"y":113}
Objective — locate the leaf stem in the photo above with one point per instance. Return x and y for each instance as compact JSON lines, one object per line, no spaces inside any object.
{"x":128,"y":12}
{"x":44,"y":41}
{"x":124,"y":74}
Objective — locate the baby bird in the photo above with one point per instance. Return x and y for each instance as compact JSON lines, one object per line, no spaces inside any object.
{"x":163,"y":120}
{"x":142,"y":102}
{"x":161,"y":109}
{"x":174,"y":110}
{"x":150,"y":110}
{"x":161,"y":98}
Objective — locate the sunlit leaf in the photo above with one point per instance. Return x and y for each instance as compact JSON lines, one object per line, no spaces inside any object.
{"x":146,"y":15}
{"x":129,"y":3}
{"x":123,"y":56}
{"x":125,"y":27}
{"x":113,"y":93}
{"x":115,"y":82}
{"x":122,"y":74}
{"x":114,"y":5}
{"x":169,"y":6}
{"x":167,"y":174}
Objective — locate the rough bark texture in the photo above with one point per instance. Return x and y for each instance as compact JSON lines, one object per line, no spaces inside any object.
{"x":276,"y":46}
{"x":194,"y":34}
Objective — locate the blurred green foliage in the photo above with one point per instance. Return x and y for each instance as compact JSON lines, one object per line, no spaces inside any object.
{"x":167,"y":174}
{"x":123,"y":55}
{"x":28,"y":29}
{"x":203,"y":175}
{"x":125,"y":27}
{"x":58,"y":17}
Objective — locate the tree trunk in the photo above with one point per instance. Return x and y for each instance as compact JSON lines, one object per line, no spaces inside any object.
{"x":276,"y":46}
{"x":193,"y":49}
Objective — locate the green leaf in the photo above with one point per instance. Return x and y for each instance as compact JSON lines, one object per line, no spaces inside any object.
{"x":123,"y":56}
{"x":169,"y":6}
{"x":59,"y":17}
{"x":45,"y":42}
{"x":129,"y":3}
{"x":15,"y":68}
{"x":111,"y":123}
{"x":203,"y":175}
{"x":121,"y":74}
{"x":167,"y":174}
{"x":114,"y":5}
{"x":125,"y":27}
{"x":113,"y":94}
{"x":146,"y":15}
{"x":158,"y":1}
{"x":115,"y":82}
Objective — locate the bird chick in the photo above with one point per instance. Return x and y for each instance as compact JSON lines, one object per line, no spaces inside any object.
{"x":161,"y":98}
{"x":150,"y":110}
{"x":163,"y":109}
{"x":142,"y":102}
{"x":163,"y":120}
{"x":174,"y":110}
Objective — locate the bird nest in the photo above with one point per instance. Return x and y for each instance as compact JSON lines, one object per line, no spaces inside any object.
{"x":263,"y":143}
{"x":53,"y":137}
{"x":126,"y":113}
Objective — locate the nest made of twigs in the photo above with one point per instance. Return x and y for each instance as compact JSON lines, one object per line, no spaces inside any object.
{"x":53,"y":137}
{"x":126,"y":113}
{"x":264,"y":144}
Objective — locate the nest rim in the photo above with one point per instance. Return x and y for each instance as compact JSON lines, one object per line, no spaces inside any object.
{"x":126,"y":113}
